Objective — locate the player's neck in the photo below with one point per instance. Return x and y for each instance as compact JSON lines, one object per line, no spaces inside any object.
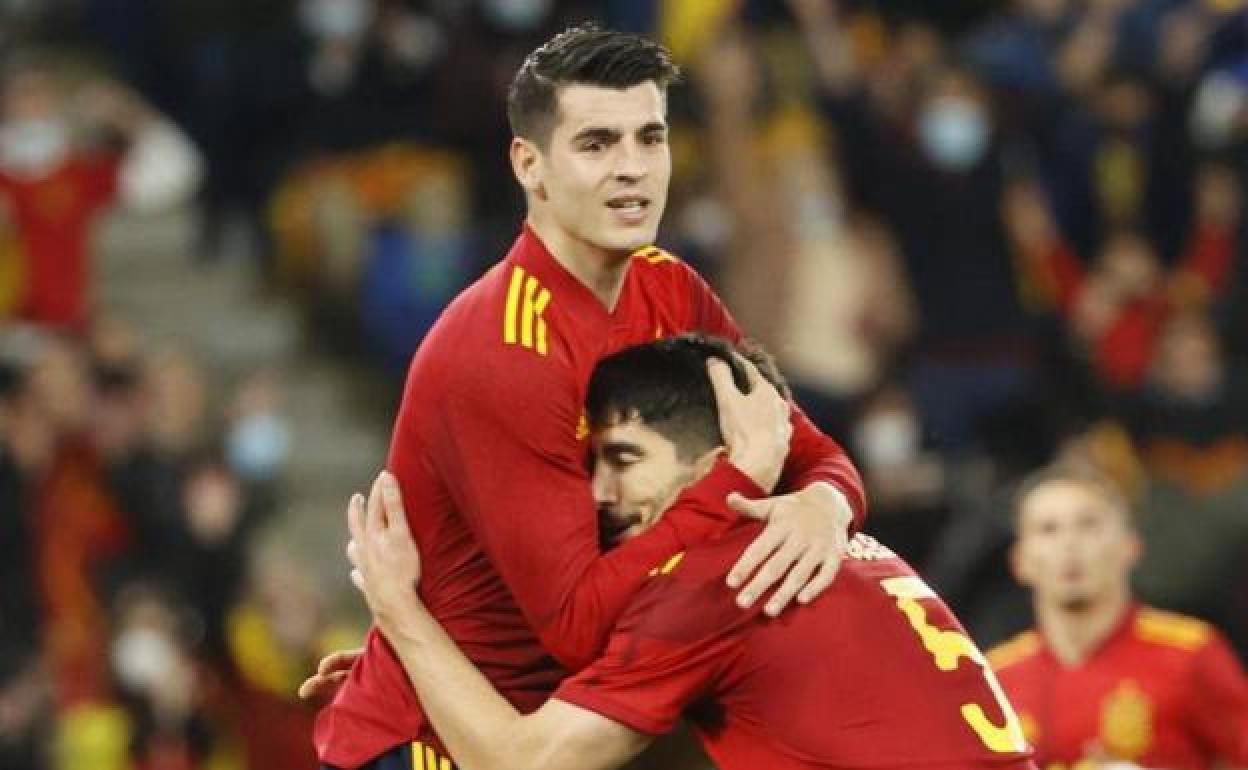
{"x":1073,"y":634}
{"x":601,"y":271}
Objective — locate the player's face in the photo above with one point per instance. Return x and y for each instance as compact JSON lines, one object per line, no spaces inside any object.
{"x":605,"y":172}
{"x":638,"y":473}
{"x":1073,"y":546}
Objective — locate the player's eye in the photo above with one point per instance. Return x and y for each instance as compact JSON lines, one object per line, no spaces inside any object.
{"x":592,"y":146}
{"x":653,"y":138}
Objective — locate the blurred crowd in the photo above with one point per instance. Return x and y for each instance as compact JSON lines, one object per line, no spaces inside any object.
{"x":140,"y":626}
{"x":977,"y":235}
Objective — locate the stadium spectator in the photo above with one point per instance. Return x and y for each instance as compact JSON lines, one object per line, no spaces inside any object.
{"x":53,"y":183}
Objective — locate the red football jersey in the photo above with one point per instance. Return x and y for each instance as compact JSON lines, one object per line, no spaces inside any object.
{"x":1163,"y":691}
{"x":876,"y":673}
{"x":490,"y":449}
{"x":53,"y":217}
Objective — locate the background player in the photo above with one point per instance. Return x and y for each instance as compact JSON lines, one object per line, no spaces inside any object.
{"x":1102,"y":678}
{"x":875,"y":673}
{"x":490,"y":438}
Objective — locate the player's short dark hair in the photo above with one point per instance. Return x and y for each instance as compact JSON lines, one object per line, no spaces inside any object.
{"x":1079,"y":474}
{"x":586,"y":54}
{"x":665,"y":385}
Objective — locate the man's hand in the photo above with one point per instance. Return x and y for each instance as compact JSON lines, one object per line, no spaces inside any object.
{"x":382,"y":552}
{"x":805,"y":538}
{"x":755,"y":425}
{"x":331,"y":672}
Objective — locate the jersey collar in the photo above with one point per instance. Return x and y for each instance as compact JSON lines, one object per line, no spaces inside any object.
{"x":531,"y":254}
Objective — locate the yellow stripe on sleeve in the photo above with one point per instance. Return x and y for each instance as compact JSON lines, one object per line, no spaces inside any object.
{"x":526,"y":315}
{"x":539,"y":307}
{"x":418,"y":755}
{"x":513,"y":301}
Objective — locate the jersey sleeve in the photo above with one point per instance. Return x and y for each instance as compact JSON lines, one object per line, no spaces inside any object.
{"x":812,"y":455}
{"x":518,"y":474}
{"x":676,"y":640}
{"x":1220,"y":702}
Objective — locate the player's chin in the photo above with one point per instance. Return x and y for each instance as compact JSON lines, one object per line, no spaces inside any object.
{"x":630,"y":238}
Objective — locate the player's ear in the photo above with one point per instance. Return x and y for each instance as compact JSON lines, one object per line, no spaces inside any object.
{"x":526,"y":164}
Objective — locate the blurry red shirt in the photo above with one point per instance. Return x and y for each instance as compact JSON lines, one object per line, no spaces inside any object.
{"x":52,"y":216}
{"x":1163,"y":691}
{"x":876,"y":673}
{"x":490,"y":449}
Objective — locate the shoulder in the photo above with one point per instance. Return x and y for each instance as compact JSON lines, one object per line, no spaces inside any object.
{"x":659,"y":266}
{"x":498,"y":326}
{"x":685,"y":597}
{"x":1171,"y":630}
{"x":1014,"y":651}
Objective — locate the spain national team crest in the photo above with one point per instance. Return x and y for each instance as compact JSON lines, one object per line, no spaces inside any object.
{"x":1127,"y":722}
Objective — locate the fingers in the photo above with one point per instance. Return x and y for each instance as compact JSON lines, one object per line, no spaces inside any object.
{"x":393,"y":500}
{"x":375,"y":517}
{"x":342,"y":660}
{"x":754,"y":509}
{"x":355,"y":516}
{"x":797,"y":578}
{"x":763,"y":546}
{"x":781,"y":561}
{"x":823,"y":577}
{"x":721,"y":380}
{"x":752,"y":375}
{"x":322,"y":686}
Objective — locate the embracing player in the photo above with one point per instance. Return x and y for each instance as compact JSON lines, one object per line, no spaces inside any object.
{"x":490,"y":443}
{"x":875,"y":673}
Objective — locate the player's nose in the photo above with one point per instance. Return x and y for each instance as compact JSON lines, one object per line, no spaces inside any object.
{"x":603,"y":488}
{"x":630,"y":161}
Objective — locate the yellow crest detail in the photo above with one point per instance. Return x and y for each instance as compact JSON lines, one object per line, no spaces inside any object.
{"x":582,"y":428}
{"x":1127,"y":722}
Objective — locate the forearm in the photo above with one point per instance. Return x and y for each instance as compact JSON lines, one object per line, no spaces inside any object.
{"x":481,"y":730}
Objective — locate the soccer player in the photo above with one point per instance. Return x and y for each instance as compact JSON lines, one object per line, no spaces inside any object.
{"x":1102,"y":680}
{"x":875,"y":673}
{"x":490,"y":444}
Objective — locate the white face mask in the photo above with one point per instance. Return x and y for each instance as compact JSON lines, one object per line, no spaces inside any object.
{"x":33,"y":147}
{"x":141,"y":657}
{"x":954,"y":133}
{"x":888,"y":439}
{"x":336,"y":19}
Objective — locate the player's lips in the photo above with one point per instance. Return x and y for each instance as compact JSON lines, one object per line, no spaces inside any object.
{"x":629,"y":209}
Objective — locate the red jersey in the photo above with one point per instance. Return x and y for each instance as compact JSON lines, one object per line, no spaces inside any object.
{"x":1163,"y":691}
{"x":876,"y":673}
{"x":490,"y":450}
{"x":52,"y":216}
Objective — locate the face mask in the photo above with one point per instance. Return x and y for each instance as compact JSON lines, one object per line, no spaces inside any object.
{"x":954,"y":134}
{"x":336,"y":19}
{"x":257,"y":446}
{"x":888,"y":439}
{"x":516,"y":15}
{"x":141,"y":657}
{"x":33,"y":147}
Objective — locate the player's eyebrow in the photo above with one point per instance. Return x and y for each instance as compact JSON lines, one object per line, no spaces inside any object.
{"x":597,"y":133}
{"x":653,"y":127}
